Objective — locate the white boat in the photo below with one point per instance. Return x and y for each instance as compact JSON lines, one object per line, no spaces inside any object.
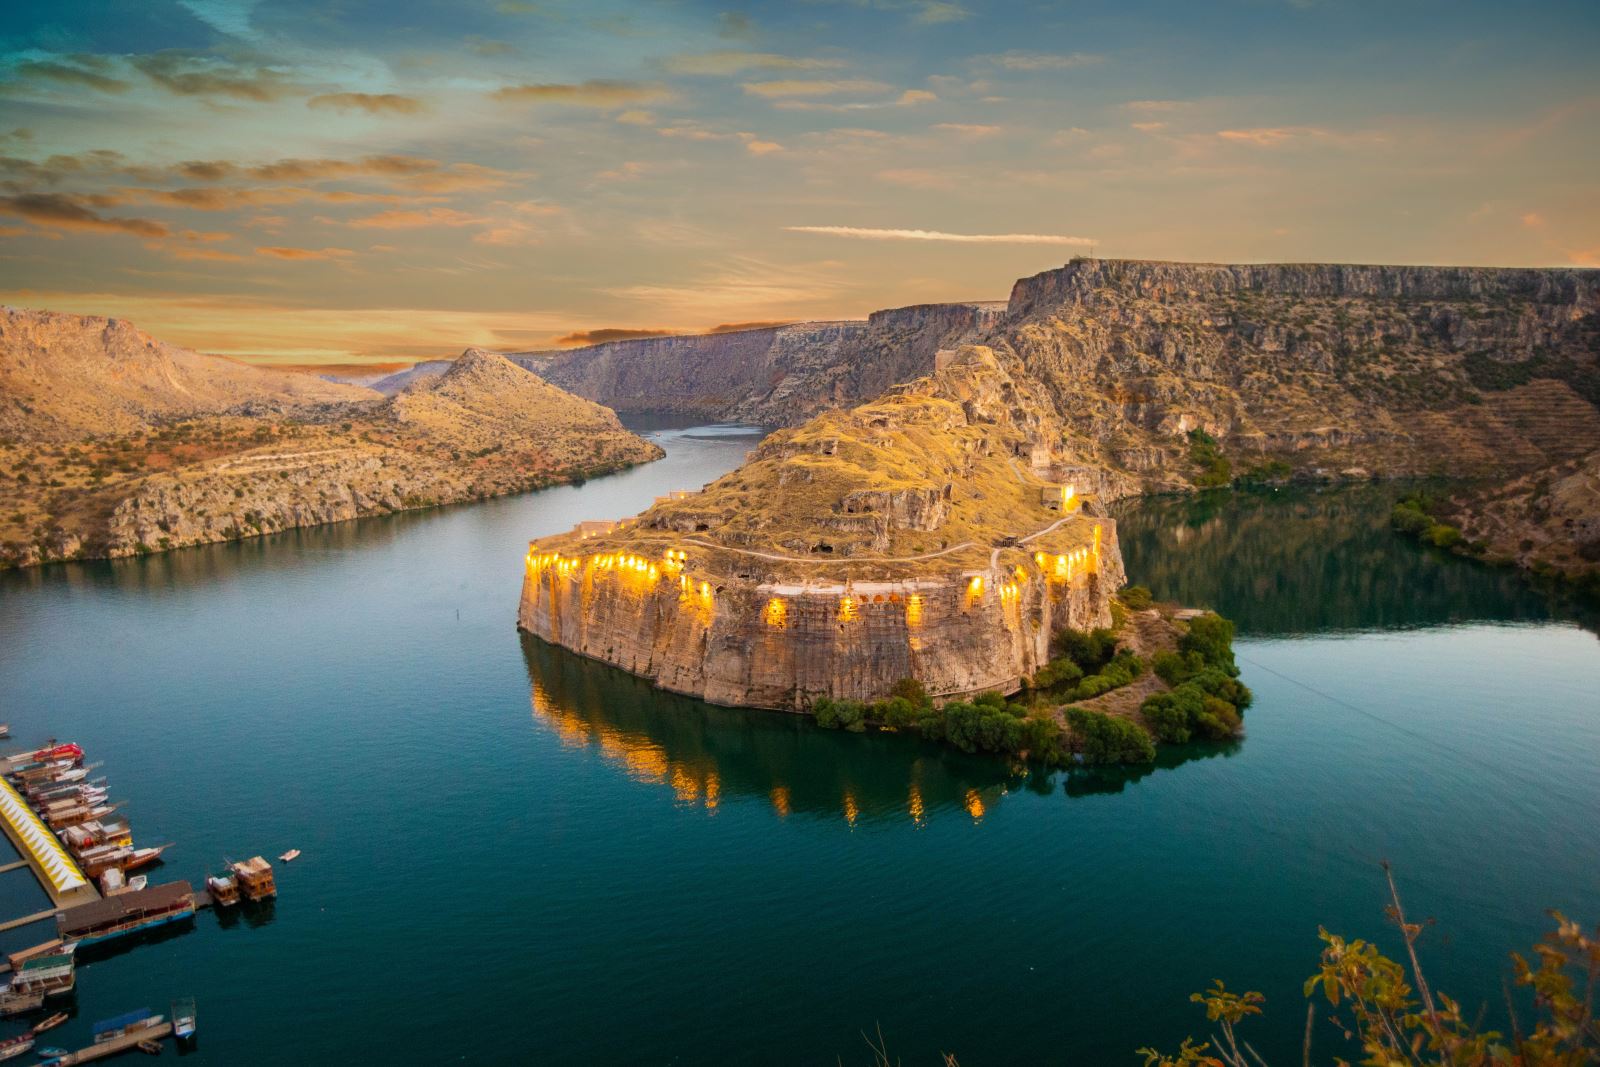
{"x":292,"y":854}
{"x":138,"y":882}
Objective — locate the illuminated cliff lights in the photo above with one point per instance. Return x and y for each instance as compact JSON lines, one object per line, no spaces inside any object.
{"x":1009,"y":592}
{"x":847,"y":608}
{"x":776,"y":613}
{"x":914,"y":610}
{"x":974,"y":805}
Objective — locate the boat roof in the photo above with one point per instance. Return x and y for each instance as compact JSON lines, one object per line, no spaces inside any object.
{"x":46,"y":967}
{"x":130,"y":903}
{"x":119,"y":1022}
{"x":253,"y":865}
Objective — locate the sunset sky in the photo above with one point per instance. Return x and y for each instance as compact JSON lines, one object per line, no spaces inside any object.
{"x":332,"y":181}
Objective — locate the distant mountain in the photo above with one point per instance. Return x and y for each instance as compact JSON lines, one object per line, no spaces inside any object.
{"x":113,"y":443}
{"x":390,"y":384}
{"x":69,"y":376}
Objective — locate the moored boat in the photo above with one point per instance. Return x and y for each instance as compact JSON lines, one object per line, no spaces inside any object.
{"x":292,"y":854}
{"x":50,"y":1052}
{"x":255,"y":878}
{"x":50,"y":1022}
{"x":12,"y":1047}
{"x":126,"y":1025}
{"x":224,"y":889}
{"x":127,"y":913}
{"x":183,"y":1018}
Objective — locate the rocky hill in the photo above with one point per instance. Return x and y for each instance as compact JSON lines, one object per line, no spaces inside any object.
{"x":933,"y":533}
{"x":1547,"y":521}
{"x":198,"y":454}
{"x":63,"y":377}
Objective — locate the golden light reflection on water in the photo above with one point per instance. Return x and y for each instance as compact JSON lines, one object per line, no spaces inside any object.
{"x":780,"y":800}
{"x":975,"y":804}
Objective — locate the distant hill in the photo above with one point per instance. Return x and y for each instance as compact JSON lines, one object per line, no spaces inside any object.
{"x":69,"y":376}
{"x":113,"y":443}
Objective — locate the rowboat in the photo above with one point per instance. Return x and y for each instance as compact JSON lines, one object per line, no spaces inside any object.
{"x":292,"y":854}
{"x":50,"y":1023}
{"x":12,"y":1047}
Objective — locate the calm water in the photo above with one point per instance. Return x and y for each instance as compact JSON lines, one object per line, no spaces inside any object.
{"x":511,"y":853}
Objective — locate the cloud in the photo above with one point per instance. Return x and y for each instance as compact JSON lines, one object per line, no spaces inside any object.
{"x":915,"y":96}
{"x":762,"y":148}
{"x":608,"y":333}
{"x":385,"y":166}
{"x":88,"y":71}
{"x":637,"y":117}
{"x":802,"y":88}
{"x":186,"y":74}
{"x":416,"y":220}
{"x":730,"y":61}
{"x":1533,"y":220}
{"x":464,"y":177}
{"x":630,"y":170}
{"x":1156,"y":105}
{"x":62,"y":211}
{"x":963,"y":129}
{"x":279,"y":252}
{"x":1021,"y":61}
{"x":938,"y":235}
{"x":1273,"y":136}
{"x":371,"y":103}
{"x":1149,"y":127}
{"x":598,"y":94}
{"x":740,"y":327}
{"x":932,"y":12}
{"x":917,"y":178}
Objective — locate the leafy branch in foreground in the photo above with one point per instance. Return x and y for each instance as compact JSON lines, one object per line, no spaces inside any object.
{"x":1389,"y":1009}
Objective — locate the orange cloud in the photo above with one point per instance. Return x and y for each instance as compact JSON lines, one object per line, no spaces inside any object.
{"x":371,"y":103}
{"x":192,"y":75}
{"x":801,"y":88}
{"x":279,"y":252}
{"x":415,"y":220}
{"x":598,"y":94}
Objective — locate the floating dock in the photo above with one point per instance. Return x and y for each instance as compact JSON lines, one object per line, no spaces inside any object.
{"x":61,"y":878}
{"x":111,"y":1047}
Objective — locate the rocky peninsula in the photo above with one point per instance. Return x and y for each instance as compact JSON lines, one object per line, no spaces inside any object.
{"x":115,"y":444}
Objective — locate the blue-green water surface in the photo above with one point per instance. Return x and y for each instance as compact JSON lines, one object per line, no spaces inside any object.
{"x":512,"y":855}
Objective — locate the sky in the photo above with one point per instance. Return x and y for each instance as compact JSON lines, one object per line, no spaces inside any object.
{"x":345,"y":181}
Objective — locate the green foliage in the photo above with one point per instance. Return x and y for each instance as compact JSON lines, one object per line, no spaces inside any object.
{"x":912,"y":690}
{"x":1175,"y":668}
{"x":1212,"y":637}
{"x":1102,"y":738}
{"x":1058,"y":672}
{"x":840,"y":714}
{"x":1122,"y":669}
{"x":1274,"y":470}
{"x":1136,"y":598}
{"x":1204,"y":453}
{"x":1090,"y":650}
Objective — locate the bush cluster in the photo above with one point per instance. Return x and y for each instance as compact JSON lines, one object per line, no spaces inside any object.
{"x":1207,"y":699}
{"x":1215,"y":469}
{"x":1102,"y":738}
{"x":1414,"y":515}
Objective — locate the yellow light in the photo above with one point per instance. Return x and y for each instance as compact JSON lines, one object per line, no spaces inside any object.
{"x":777,"y":612}
{"x":974,"y":804}
{"x":975,"y":586}
{"x":847,"y":608}
{"x":914,"y":609}
{"x":1039,"y":558}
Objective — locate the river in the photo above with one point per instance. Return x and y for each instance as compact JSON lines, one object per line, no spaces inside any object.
{"x":511,"y":854}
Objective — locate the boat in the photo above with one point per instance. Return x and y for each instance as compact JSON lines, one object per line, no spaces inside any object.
{"x":50,"y":1052}
{"x":224,"y":889}
{"x":144,"y":857}
{"x":138,"y":882}
{"x":183,"y":1018}
{"x":50,"y":1023}
{"x":77,"y":813}
{"x":255,"y":878}
{"x":127,"y":912}
{"x":47,"y":976}
{"x":5,"y":729}
{"x":126,"y":1025}
{"x":15,"y":1002}
{"x":292,"y":854}
{"x":12,"y":1047}
{"x":149,"y":1047}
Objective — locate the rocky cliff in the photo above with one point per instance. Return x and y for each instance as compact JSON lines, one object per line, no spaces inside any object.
{"x":1547,"y":521}
{"x":194,"y":453}
{"x":773,"y":376}
{"x":1327,"y":370}
{"x":927,"y":534}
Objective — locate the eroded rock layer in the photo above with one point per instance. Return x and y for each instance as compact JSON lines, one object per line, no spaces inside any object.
{"x":929,"y":534}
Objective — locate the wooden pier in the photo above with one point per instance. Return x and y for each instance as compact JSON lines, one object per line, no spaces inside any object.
{"x":102,"y":1049}
{"x":38,"y":916}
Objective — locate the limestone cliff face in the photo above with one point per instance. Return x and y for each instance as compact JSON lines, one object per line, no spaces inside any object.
{"x":774,"y":376}
{"x":1391,"y":370}
{"x":925,"y":535}
{"x":1547,"y":521}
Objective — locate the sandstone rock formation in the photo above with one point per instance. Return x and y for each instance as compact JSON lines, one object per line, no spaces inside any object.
{"x":193,"y":453}
{"x":927,"y":534}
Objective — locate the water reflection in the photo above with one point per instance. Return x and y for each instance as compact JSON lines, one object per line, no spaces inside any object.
{"x":1296,"y":561}
{"x":706,"y":755}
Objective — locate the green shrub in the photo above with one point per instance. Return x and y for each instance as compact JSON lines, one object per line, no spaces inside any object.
{"x":1175,"y":668}
{"x":1212,"y":637}
{"x":1101,"y":738}
{"x":1218,"y":720}
{"x":1090,"y":650}
{"x":1057,"y":672}
{"x":1165,"y":719}
{"x":990,"y":699}
{"x":911,"y":690}
{"x":840,"y":714}
{"x":1441,"y":535}
{"x":1123,"y":669}
{"x":1136,"y":598}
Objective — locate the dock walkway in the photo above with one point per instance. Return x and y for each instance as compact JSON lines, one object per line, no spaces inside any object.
{"x":42,"y":851}
{"x":118,"y":1044}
